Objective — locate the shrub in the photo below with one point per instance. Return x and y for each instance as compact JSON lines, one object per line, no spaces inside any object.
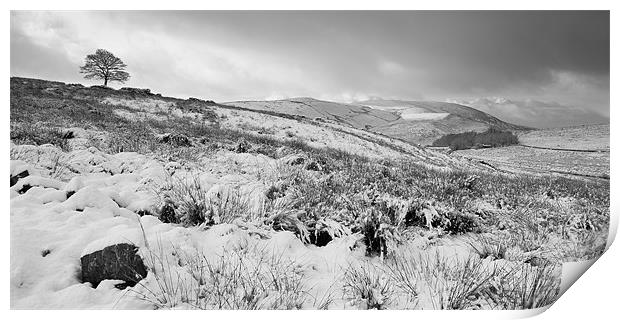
{"x":228,"y":205}
{"x":38,"y":134}
{"x":287,"y":220}
{"x":381,"y":222}
{"x":457,"y":222}
{"x":185,"y":201}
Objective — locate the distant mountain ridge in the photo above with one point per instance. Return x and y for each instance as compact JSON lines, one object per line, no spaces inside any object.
{"x":420,"y":122}
{"x":354,"y":115}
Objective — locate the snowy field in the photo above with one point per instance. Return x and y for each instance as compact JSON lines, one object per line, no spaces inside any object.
{"x":50,"y":233}
{"x":408,"y":115}
{"x":125,"y":201}
{"x":588,"y":137}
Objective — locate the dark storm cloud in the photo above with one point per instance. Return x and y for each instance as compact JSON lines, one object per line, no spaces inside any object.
{"x":560,"y":57}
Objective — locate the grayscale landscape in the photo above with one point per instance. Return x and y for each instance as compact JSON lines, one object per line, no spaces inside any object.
{"x":378,"y":174}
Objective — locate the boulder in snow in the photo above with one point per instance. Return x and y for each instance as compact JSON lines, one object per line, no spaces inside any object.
{"x":116,"y":262}
{"x":15,"y":178}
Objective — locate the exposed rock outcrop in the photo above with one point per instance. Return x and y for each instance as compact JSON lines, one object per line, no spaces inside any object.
{"x":116,"y":262}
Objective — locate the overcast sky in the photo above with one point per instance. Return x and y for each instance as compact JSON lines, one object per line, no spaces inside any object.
{"x":539,"y":59}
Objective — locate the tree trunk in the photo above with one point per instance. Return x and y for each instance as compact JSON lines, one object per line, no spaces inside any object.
{"x":105,"y":82}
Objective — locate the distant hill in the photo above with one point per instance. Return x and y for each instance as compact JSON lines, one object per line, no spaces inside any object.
{"x":137,"y":120}
{"x":535,"y":113}
{"x":425,"y":121}
{"x":419,"y":122}
{"x":353,"y":115}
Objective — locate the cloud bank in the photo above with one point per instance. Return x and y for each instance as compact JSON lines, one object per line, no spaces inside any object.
{"x":558,"y":57}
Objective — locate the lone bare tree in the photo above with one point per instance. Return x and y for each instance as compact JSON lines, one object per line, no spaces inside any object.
{"x":104,"y":65}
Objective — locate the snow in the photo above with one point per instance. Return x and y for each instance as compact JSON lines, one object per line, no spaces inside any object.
{"x":38,"y":181}
{"x":101,"y":212}
{"x":46,"y":195}
{"x":50,"y":232}
{"x":90,"y":197}
{"x":18,"y":167}
{"x":407,"y":114}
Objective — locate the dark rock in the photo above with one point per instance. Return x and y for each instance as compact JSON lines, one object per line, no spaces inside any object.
{"x":68,"y":135}
{"x":45,"y":252}
{"x":24,"y":189}
{"x":18,"y":176}
{"x":116,"y":262}
{"x":179,"y":140}
{"x":320,"y":238}
{"x":167,"y":214}
{"x":142,"y":213}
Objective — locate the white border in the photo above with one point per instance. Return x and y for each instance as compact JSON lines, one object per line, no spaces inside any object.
{"x":594,"y":295}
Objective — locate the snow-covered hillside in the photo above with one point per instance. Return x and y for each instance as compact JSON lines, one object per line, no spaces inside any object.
{"x":419,"y":122}
{"x":425,"y":121}
{"x":127,"y":199}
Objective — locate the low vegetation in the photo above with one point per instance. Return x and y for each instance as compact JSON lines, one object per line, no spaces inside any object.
{"x":469,"y":140}
{"x":512,"y":224}
{"x":240,"y":279}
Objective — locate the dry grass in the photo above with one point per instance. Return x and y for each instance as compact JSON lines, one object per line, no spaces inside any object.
{"x":194,"y":205}
{"x":367,"y":284}
{"x":242,"y":279}
{"x":493,"y":246}
{"x":38,"y":134}
{"x":526,"y":287}
{"x":449,"y":283}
